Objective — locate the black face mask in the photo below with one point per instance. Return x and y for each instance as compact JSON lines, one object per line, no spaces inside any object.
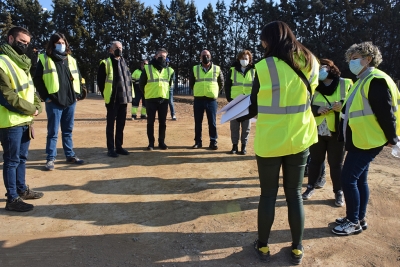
{"x":162,"y":62}
{"x":117,"y":52}
{"x":19,"y":47}
{"x":205,"y":59}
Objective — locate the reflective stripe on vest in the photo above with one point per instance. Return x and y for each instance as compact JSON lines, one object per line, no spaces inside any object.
{"x":157,"y":87}
{"x":285,"y":123}
{"x":244,"y":85}
{"x":213,"y":79}
{"x":50,"y":76}
{"x":109,"y":79}
{"x":22,"y":85}
{"x":206,"y":83}
{"x":276,"y":95}
{"x":18,"y":86}
{"x":366,"y":131}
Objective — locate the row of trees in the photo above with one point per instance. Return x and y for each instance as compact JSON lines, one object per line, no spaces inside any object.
{"x":326,"y":27}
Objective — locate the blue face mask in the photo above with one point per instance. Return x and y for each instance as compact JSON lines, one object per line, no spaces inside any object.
{"x":323,"y":74}
{"x":60,"y":48}
{"x":355,"y":66}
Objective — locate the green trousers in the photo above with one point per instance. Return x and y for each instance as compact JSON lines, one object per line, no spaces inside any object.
{"x":293,"y":174}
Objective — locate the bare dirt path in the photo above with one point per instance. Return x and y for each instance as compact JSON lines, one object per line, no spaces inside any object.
{"x":179,"y":207}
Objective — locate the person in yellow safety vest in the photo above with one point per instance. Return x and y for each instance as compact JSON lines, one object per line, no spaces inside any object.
{"x":58,"y":82}
{"x":206,"y":81}
{"x":18,"y":105}
{"x":370,"y":121}
{"x":285,"y":81}
{"x":138,"y":93}
{"x":239,"y":82}
{"x":155,"y":82}
{"x":326,"y":105}
{"x":115,"y":84}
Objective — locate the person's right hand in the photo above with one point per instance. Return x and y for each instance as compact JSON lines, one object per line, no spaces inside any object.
{"x":36,"y":113}
{"x":323,"y":110}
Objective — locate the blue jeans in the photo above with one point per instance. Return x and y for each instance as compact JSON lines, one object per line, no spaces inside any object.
{"x":171,"y":102}
{"x":15,"y":142}
{"x":59,"y":116}
{"x":210,"y":106}
{"x":355,"y":184}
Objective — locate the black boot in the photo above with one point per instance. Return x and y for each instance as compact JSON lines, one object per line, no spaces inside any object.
{"x":234,"y":149}
{"x":244,"y":151}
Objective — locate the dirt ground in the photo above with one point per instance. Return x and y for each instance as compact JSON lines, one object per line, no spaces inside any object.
{"x":179,"y":207}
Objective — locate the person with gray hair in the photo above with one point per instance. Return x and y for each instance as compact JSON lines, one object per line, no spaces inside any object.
{"x":369,"y":122}
{"x":115,"y":84}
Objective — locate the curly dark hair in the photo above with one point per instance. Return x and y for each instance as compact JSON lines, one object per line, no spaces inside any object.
{"x":333,"y":69}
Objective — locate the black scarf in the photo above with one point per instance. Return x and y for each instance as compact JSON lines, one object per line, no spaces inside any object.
{"x":328,"y":89}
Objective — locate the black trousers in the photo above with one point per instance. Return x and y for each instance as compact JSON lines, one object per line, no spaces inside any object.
{"x":335,"y":150}
{"x":115,"y":114}
{"x":161,"y":107}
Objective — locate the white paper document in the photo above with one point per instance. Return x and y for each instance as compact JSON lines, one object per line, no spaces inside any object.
{"x":238,"y":107}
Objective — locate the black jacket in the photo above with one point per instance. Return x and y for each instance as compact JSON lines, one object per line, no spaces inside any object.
{"x":228,"y":80}
{"x":102,"y":75}
{"x":66,"y":95}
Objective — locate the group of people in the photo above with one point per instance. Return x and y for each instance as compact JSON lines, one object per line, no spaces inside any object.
{"x":303,"y":108}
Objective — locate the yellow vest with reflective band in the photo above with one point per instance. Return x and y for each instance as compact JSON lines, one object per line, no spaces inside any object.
{"x":206,"y":83}
{"x":366,"y":132}
{"x":136,"y":76}
{"x":157,"y":85}
{"x":109,"y":79}
{"x":50,"y":76}
{"x":339,"y":94}
{"x":241,"y":84}
{"x":285,"y":123}
{"x":22,"y":84}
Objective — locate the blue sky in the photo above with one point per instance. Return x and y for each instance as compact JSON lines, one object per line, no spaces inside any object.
{"x":200,"y":4}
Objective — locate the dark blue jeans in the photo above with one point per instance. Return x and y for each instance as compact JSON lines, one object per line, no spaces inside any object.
{"x":210,"y":106}
{"x":293,"y":173}
{"x":15,"y":142}
{"x":59,"y":116}
{"x":171,"y":102}
{"x":355,"y":184}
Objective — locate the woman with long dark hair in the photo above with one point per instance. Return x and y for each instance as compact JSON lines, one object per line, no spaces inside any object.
{"x":285,"y":80}
{"x":58,"y":82}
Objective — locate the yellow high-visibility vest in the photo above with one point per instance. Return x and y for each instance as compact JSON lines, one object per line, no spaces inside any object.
{"x":157,"y":85}
{"x":206,"y":83}
{"x":285,"y":123}
{"x":50,"y":76}
{"x":366,"y":132}
{"x":136,"y":76}
{"x":339,"y":94}
{"x":22,"y":84}
{"x":241,"y":84}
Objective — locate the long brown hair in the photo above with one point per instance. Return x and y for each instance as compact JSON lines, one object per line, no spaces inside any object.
{"x":54,"y":39}
{"x":282,"y":43}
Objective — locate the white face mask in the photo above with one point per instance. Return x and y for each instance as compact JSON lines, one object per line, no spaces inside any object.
{"x":244,"y":62}
{"x":355,"y":66}
{"x":60,"y":48}
{"x":323,"y":74}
